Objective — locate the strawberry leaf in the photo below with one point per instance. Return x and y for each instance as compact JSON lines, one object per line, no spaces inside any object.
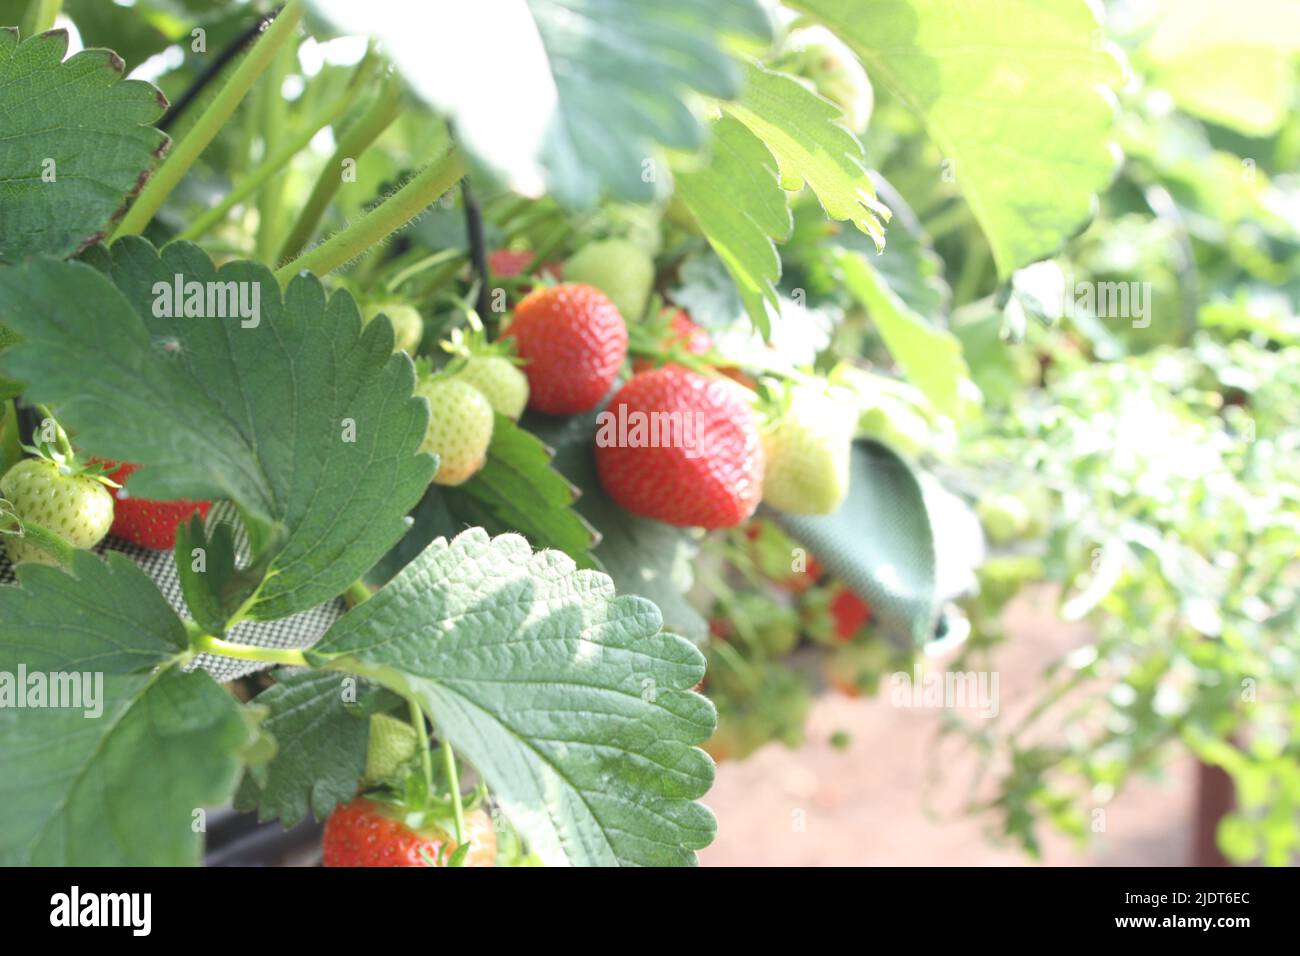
{"x":1014,"y":94}
{"x":570,"y":702}
{"x":320,"y":748}
{"x":929,"y":356}
{"x":518,"y":490}
{"x":304,"y":420}
{"x":77,"y":143}
{"x":594,"y":88}
{"x":163,"y":743}
{"x":804,"y":133}
{"x":881,"y":542}
{"x":741,"y":208}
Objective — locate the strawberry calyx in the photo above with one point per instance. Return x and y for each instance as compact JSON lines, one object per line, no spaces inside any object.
{"x":70,"y":466}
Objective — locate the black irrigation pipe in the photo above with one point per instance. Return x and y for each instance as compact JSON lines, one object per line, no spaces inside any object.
{"x":213,"y":69}
{"x":477,"y":246}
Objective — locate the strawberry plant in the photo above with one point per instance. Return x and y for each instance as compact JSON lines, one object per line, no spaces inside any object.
{"x":467,"y":462}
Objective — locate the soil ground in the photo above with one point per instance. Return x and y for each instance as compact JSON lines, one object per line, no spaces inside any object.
{"x":875,"y":802}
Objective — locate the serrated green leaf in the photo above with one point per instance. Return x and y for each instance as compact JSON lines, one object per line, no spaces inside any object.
{"x":320,"y":748}
{"x":741,"y":209}
{"x":518,"y":490}
{"x":119,"y":788}
{"x":210,"y":409}
{"x":802,"y":130}
{"x":214,"y":588}
{"x":570,"y":702}
{"x":596,"y":86}
{"x":880,"y":542}
{"x":78,"y":122}
{"x":1013,"y":92}
{"x":930,"y":357}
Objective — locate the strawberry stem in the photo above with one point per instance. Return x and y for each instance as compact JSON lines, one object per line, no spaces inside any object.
{"x":251,"y":182}
{"x":385,"y":219}
{"x":40,"y":16}
{"x":60,"y":436}
{"x":208,"y":644}
{"x":378,"y":116}
{"x":358,"y":592}
{"x":453,"y":781}
{"x":206,"y":127}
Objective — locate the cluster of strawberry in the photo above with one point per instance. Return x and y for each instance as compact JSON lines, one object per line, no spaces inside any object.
{"x":572,"y":342}
{"x":81,"y":503}
{"x":785,"y":603}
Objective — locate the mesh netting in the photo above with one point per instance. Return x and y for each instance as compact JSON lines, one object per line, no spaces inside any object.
{"x":299,"y":630}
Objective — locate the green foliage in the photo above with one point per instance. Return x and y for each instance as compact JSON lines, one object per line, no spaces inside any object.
{"x":881,"y":543}
{"x":303,"y":420}
{"x":163,"y":744}
{"x":595,"y":90}
{"x":572,"y":704}
{"x":976,"y":80}
{"x":320,"y":747}
{"x":78,"y":142}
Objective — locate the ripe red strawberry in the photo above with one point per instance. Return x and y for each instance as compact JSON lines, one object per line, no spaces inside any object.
{"x":850,"y":612}
{"x":366,"y":833}
{"x":683,"y":336}
{"x":710,"y":475}
{"x":573,"y":342}
{"x":150,"y":524}
{"x":508,"y":264}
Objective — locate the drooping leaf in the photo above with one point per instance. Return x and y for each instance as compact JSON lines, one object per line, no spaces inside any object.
{"x":803,"y":131}
{"x":320,"y":748}
{"x":1014,"y":94}
{"x":76,"y":143}
{"x":1236,"y":70}
{"x":880,"y":542}
{"x":595,"y":87}
{"x":571,"y":703}
{"x":908,"y":263}
{"x":115,"y":780}
{"x":303,"y":419}
{"x":930,"y":357}
{"x":518,"y":490}
{"x":741,"y":209}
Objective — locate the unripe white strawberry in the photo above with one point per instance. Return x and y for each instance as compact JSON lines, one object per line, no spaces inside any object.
{"x":807,"y":449}
{"x":408,"y":327}
{"x":501,"y":381}
{"x":460,"y":428}
{"x":392,"y":743}
{"x":77,"y":508}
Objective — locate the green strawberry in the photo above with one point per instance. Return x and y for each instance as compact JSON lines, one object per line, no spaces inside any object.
{"x":617,"y":267}
{"x":1004,"y":517}
{"x":392,"y":743}
{"x":408,"y":327}
{"x":501,"y":381}
{"x":460,"y":428}
{"x":807,"y":448}
{"x":76,"y":507}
